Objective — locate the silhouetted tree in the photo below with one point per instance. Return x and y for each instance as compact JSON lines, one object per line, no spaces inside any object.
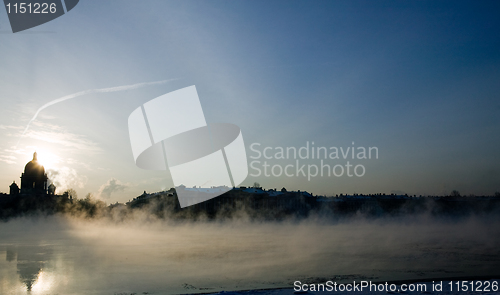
{"x":89,"y":197}
{"x":455,"y":193}
{"x":70,"y":193}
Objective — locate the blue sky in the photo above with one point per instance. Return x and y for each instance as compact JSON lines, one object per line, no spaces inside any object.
{"x":418,"y":80}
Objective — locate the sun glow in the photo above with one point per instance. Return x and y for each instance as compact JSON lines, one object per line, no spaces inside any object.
{"x":43,"y":283}
{"x":47,"y":159}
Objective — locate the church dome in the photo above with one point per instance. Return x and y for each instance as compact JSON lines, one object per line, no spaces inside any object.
{"x":33,"y":168}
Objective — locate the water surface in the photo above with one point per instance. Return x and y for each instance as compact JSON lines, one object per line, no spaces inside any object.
{"x":59,"y":255}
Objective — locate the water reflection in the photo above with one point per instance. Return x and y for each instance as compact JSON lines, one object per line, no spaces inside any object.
{"x":30,"y":260}
{"x":54,"y":257}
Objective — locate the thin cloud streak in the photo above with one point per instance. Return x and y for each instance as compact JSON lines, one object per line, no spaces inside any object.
{"x":102,"y":90}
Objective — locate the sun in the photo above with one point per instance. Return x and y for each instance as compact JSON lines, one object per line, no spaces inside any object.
{"x":47,"y":159}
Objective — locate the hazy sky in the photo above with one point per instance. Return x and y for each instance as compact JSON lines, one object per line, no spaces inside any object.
{"x":418,"y":80}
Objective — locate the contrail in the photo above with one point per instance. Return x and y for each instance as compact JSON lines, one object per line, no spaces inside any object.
{"x":102,"y":90}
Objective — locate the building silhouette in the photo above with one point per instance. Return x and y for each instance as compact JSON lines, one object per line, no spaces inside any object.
{"x":14,"y":189}
{"x":33,"y":180}
{"x":51,"y":190}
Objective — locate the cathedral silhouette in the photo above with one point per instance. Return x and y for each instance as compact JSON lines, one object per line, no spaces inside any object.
{"x":33,"y":181}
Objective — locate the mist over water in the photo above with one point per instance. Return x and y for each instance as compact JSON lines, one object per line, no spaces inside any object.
{"x":63,"y":255}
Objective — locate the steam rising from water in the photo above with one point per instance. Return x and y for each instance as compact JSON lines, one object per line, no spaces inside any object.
{"x":165,"y":257}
